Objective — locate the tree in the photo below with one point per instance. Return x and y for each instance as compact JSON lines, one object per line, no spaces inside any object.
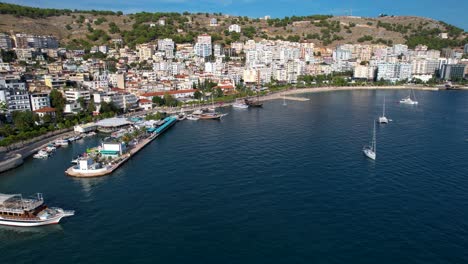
{"x":24,"y":120}
{"x":197,"y":94}
{"x":108,"y":108}
{"x":218,"y":92}
{"x":158,"y":100}
{"x":57,"y":101}
{"x":169,"y":100}
{"x":91,"y":107}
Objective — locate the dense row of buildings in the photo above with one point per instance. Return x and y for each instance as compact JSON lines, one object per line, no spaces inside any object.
{"x":163,"y":67}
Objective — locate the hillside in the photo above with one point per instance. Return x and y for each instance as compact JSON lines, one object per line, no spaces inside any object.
{"x":86,"y":28}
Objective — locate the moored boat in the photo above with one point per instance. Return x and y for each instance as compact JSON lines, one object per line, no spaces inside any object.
{"x":193,"y":117}
{"x":42,"y":154}
{"x":210,"y":116}
{"x":240,"y":105}
{"x":17,"y":211}
{"x":62,"y":142}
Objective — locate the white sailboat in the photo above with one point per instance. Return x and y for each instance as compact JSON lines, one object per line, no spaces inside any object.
{"x":407,"y":100}
{"x":284,"y":100}
{"x":383,"y":119}
{"x":371,"y":151}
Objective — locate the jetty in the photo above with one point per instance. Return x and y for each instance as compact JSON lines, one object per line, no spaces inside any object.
{"x":87,"y":169}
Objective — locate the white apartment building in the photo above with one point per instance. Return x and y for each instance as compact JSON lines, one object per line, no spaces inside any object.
{"x":11,"y":82}
{"x":394,"y":71}
{"x":74,"y":95}
{"x":234,"y":28}
{"x":120,"y":100}
{"x":16,"y":100}
{"x":364,"y":72}
{"x":203,"y":47}
{"x":39,"y":100}
{"x":167,"y":46}
{"x":423,"y":66}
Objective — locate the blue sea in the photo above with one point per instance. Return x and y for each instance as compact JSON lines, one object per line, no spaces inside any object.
{"x":281,"y":184}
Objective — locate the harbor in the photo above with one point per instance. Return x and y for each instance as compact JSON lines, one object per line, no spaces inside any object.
{"x":114,"y":153}
{"x":252,"y":173}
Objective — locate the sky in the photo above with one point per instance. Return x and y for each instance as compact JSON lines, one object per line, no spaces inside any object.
{"x":450,"y":11}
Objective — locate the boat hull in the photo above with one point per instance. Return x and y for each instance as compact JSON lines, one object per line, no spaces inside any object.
{"x":383,"y":120}
{"x":31,"y":223}
{"x":369,"y":153}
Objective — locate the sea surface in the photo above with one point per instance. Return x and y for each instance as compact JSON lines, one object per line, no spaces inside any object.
{"x":282,"y":184}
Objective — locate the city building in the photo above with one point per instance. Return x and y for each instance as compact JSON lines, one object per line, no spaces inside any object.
{"x":39,"y":100}
{"x":203,"y":47}
{"x":55,"y":81}
{"x":25,"y":41}
{"x":73,"y":95}
{"x":5,"y":41}
{"x":145,"y":51}
{"x":452,"y":71}
{"x":213,"y":22}
{"x":15,"y":100}
{"x":393,"y":71}
{"x":364,"y":72}
{"x":42,"y":112}
{"x":234,"y":28}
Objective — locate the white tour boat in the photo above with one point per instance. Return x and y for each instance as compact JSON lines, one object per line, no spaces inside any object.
{"x":17,"y":211}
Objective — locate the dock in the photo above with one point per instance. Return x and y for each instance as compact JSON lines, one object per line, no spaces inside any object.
{"x":121,"y":160}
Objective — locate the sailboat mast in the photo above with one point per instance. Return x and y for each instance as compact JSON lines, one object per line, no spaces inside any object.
{"x":383,"y":114}
{"x":374,"y":143}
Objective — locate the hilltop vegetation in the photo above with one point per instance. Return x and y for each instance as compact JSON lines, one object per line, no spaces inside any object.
{"x":83,"y":29}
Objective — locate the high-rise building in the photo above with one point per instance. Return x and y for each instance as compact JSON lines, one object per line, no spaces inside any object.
{"x":5,"y":41}
{"x":452,"y":71}
{"x":203,"y":47}
{"x":394,"y":71}
{"x":167,"y":46}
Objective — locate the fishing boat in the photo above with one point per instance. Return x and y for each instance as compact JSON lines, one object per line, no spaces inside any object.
{"x":42,"y":154}
{"x":17,"y":211}
{"x":240,"y":105}
{"x":407,"y":100}
{"x":383,"y":119}
{"x":371,"y":151}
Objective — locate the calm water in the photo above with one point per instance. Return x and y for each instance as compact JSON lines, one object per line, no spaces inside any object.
{"x":283,"y":184}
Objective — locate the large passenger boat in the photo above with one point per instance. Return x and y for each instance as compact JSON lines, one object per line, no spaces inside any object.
{"x":18,"y":211}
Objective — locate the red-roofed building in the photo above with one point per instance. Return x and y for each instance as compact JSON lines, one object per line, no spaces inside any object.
{"x":145,"y":104}
{"x":45,"y":111}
